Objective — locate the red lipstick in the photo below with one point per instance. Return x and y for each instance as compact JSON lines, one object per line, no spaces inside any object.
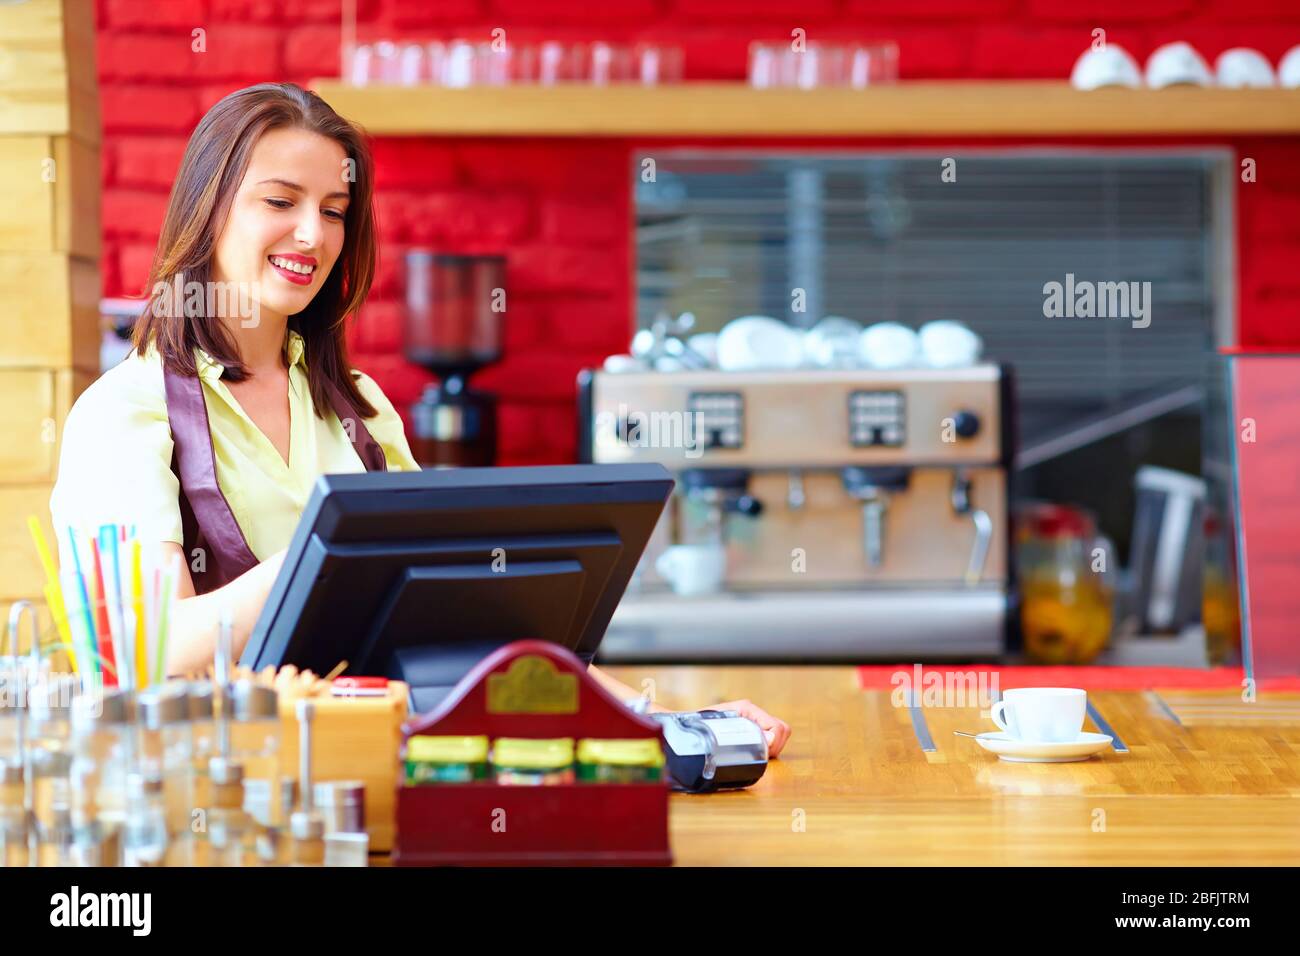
{"x":296,"y":277}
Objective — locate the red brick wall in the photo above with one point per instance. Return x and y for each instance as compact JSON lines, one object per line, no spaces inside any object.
{"x":560,"y":209}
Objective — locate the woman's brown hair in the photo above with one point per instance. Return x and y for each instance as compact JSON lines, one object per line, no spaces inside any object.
{"x":211,"y":170}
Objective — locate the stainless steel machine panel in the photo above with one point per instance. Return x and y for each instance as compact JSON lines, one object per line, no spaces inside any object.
{"x":808,"y":626}
{"x":826,"y":418}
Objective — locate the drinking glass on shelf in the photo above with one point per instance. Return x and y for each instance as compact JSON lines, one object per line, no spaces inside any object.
{"x":410,"y":64}
{"x":435,"y":61}
{"x":871,"y":64}
{"x":458,"y":64}
{"x":657,"y":65}
{"x":385,"y":65}
{"x":523,"y":63}
{"x":608,"y":63}
{"x":818,"y":65}
{"x":492,"y":66}
{"x":557,"y":62}
{"x":764,"y":65}
{"x":359,"y":57}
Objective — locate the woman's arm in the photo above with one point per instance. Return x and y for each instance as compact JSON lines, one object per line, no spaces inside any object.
{"x":620,"y":690}
{"x":777,"y":730}
{"x":192,"y":637}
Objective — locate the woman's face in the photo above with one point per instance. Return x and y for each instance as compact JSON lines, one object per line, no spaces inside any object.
{"x":285,"y":227}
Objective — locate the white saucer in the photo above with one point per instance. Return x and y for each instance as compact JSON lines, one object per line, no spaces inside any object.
{"x":1024,"y":751}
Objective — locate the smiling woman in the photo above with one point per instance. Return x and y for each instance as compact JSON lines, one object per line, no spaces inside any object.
{"x":238,"y":393}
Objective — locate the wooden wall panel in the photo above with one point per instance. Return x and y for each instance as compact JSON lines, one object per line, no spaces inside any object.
{"x":49,"y":308}
{"x":49,"y":260}
{"x":47,"y":71}
{"x":52,"y":200}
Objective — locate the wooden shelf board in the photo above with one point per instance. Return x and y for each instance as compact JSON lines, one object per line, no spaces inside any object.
{"x":929,"y":109}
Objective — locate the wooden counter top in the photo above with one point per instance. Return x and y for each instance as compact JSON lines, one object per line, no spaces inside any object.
{"x":856,"y":778}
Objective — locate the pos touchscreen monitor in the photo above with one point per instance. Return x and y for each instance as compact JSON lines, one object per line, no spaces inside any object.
{"x":418,"y":575}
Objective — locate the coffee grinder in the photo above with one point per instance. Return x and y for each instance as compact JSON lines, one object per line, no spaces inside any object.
{"x":455,"y":313}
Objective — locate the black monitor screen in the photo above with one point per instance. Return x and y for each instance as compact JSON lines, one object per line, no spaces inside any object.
{"x":420,"y":574}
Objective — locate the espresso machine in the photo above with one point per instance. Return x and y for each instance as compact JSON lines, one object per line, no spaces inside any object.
{"x":454,"y":325}
{"x":862,"y":514}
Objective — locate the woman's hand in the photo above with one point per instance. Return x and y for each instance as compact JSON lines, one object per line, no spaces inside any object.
{"x":193,"y":633}
{"x":777,"y":730}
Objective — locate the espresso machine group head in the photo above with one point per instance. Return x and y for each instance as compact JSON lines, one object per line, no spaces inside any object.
{"x":720,"y":492}
{"x":863,"y":513}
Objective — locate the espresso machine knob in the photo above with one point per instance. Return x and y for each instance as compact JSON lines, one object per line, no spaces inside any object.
{"x":966,"y":424}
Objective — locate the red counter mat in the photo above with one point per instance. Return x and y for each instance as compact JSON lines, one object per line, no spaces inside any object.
{"x":883,"y":677}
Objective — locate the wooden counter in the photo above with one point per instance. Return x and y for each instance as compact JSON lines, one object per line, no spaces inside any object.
{"x":855,"y":787}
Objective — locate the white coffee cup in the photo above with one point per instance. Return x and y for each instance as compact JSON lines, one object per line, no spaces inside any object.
{"x":832,"y":343}
{"x":948,"y":344}
{"x":693,"y":569}
{"x":1177,"y":64}
{"x":757,"y":342}
{"x":1244,"y":68}
{"x":889,"y":345}
{"x":1042,"y":714}
{"x":1288,"y":69}
{"x":1110,"y":65}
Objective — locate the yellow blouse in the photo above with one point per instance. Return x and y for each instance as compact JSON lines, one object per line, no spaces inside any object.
{"x":115,"y":463}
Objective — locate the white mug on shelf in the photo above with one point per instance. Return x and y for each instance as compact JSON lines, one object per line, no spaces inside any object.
{"x":693,"y":569}
{"x":1042,"y":714}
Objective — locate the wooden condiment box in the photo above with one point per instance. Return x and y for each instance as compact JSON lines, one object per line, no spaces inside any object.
{"x":354,"y":738}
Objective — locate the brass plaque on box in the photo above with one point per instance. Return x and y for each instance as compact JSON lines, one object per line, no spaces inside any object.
{"x":532,"y":685}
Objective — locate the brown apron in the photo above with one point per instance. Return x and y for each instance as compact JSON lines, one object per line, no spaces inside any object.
{"x":206,"y":519}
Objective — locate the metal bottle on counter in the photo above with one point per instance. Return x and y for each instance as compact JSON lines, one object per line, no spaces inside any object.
{"x":145,"y":835}
{"x":167,"y":757}
{"x":255,"y":744}
{"x":49,"y":754}
{"x":103,"y":757}
{"x":307,"y":825}
{"x":226,"y":822}
{"x":15,"y":822}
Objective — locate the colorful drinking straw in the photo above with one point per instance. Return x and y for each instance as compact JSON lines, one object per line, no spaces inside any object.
{"x":87,"y":615}
{"x":169,"y":576}
{"x":113,"y":605}
{"x":137,"y":604}
{"x":106,"y":649}
{"x":53,"y":590}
